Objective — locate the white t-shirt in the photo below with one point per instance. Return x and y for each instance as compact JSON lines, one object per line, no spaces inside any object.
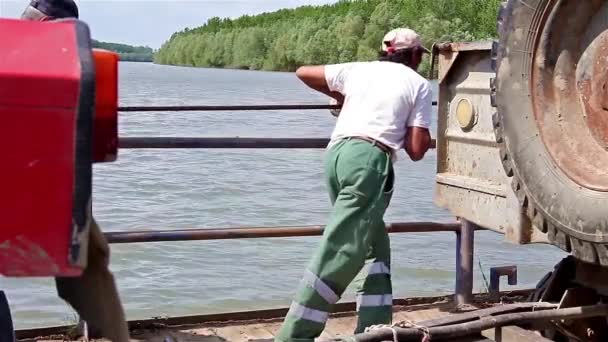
{"x":381,"y":100}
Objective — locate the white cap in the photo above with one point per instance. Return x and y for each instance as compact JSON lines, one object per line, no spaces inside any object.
{"x":401,"y":38}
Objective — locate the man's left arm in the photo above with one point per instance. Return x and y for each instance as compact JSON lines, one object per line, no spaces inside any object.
{"x":328,"y":80}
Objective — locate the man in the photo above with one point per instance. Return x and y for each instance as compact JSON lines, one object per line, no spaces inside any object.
{"x":386,"y":107}
{"x":94,"y":294}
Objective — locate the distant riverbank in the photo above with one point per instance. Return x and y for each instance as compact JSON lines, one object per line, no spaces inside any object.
{"x":341,"y":32}
{"x":127,"y":53}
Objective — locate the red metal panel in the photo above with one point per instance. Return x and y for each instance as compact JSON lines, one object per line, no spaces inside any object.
{"x":42,"y":63}
{"x":40,"y":85}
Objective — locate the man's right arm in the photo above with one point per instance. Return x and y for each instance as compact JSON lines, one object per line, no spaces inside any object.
{"x":317,"y":78}
{"x":417,"y":143}
{"x":418,"y":137}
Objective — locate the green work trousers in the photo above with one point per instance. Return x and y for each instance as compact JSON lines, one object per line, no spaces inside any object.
{"x":355,"y":242}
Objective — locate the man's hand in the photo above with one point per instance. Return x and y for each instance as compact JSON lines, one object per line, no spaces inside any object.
{"x":417,"y":142}
{"x":314,"y":77}
{"x":335,"y":112}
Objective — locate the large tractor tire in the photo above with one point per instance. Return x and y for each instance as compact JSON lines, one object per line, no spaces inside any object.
{"x":551,"y":121}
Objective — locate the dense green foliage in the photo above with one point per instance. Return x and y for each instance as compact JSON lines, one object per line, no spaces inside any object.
{"x":346,"y":31}
{"x":127,"y":52}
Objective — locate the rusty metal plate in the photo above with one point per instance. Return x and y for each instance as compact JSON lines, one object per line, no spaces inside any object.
{"x":471,"y":182}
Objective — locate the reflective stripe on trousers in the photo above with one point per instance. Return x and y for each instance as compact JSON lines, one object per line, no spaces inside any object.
{"x":374,"y":300}
{"x":308,"y":313}
{"x":378,"y":268}
{"x":310,"y":279}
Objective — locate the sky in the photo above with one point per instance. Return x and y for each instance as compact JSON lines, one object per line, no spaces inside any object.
{"x":151,"y":22}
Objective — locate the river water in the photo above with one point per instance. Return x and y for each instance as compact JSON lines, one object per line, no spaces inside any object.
{"x":178,"y":189}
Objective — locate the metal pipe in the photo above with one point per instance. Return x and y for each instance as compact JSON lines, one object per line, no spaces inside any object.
{"x":469,"y":316}
{"x":485,"y":323}
{"x":261,"y":232}
{"x":465,"y":244}
{"x":169,"y":142}
{"x":248,"y":143}
{"x":213,"y":108}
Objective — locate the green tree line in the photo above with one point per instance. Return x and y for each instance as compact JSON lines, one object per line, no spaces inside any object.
{"x":346,"y":31}
{"x":127,"y":52}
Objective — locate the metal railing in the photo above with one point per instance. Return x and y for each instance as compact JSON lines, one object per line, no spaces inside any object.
{"x":213,"y":108}
{"x":243,"y":143}
{"x":222,"y":142}
{"x":465,"y":231}
{"x":465,"y":236}
{"x":261,"y":232}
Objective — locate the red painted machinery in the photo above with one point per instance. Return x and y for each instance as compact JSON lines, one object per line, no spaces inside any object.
{"x":58,"y":105}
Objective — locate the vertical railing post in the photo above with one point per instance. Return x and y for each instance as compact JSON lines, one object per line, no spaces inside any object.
{"x":465,"y":244}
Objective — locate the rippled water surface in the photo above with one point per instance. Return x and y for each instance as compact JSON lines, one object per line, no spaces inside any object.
{"x":177,"y":189}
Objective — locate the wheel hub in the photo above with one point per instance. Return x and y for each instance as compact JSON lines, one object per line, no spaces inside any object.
{"x":570,"y":90}
{"x":592,"y":84}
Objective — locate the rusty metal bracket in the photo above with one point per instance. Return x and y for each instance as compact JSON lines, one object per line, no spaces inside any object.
{"x":497,"y":272}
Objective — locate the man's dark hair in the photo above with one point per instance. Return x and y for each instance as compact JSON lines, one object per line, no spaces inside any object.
{"x":52,"y":9}
{"x":403,"y":56}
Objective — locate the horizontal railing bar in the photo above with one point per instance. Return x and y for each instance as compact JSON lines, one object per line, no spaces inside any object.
{"x":189,"y":142}
{"x":186,"y":142}
{"x":212,"y":108}
{"x":260,"y":232}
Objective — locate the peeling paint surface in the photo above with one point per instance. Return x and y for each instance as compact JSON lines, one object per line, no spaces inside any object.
{"x":22,"y":257}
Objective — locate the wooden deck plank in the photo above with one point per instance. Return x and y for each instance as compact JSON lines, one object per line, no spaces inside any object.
{"x":325,"y":336}
{"x":344,"y":326}
{"x":265,"y":330}
{"x":234,"y":326}
{"x":332,"y":328}
{"x":421,"y":315}
{"x":230,"y":333}
{"x":258,"y":332}
{"x":272,"y":329}
{"x":516,"y":334}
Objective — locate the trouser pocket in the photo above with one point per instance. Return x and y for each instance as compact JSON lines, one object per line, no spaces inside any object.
{"x":389,"y":184}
